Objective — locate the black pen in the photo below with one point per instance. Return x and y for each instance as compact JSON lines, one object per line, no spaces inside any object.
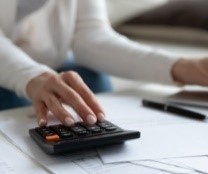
{"x":173,"y":109}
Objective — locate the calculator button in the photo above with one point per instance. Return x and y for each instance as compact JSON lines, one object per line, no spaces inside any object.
{"x":104,"y":125}
{"x":45,"y":132}
{"x":57,"y":127}
{"x":82,"y":133}
{"x":59,"y":138}
{"x":79,"y":130}
{"x":52,"y":138}
{"x":110,"y":128}
{"x":66,"y":135}
{"x":93,"y":129}
{"x":62,"y":131}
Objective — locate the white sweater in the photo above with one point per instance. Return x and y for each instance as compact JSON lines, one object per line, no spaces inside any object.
{"x":41,"y":41}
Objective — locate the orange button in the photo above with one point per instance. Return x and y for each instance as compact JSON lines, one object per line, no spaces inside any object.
{"x":52,"y":137}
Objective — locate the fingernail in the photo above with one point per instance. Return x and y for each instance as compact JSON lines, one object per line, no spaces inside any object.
{"x":69,"y":121}
{"x":101,"y":117}
{"x":42,"y":122}
{"x":91,"y":119}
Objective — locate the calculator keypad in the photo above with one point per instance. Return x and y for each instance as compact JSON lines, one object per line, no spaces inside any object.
{"x":60,"y":139}
{"x":107,"y":126}
{"x":60,"y":132}
{"x":94,"y":128}
{"x":79,"y":130}
{"x":48,"y":134}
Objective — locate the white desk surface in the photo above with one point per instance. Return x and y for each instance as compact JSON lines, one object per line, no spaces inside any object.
{"x":144,"y":91}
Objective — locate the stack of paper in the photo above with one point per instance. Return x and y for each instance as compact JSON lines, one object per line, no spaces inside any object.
{"x":13,"y":161}
{"x":162,"y":136}
{"x":198,"y":163}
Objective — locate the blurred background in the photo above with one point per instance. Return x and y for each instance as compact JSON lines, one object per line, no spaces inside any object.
{"x":180,"y":26}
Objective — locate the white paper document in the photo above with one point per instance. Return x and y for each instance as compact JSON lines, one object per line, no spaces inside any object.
{"x":17,"y":132}
{"x":83,"y":162}
{"x":12,"y":161}
{"x":170,"y":162}
{"x":160,"y":142}
{"x":164,"y":167}
{"x":198,"y":163}
{"x":162,"y":135}
{"x":129,"y":113}
{"x":94,"y":165}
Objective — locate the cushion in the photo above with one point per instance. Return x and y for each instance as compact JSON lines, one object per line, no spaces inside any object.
{"x":177,"y":20}
{"x":121,"y":10}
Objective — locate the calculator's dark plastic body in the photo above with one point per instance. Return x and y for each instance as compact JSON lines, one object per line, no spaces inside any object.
{"x":89,"y":140}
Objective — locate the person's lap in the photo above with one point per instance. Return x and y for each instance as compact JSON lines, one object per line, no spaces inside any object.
{"x":97,"y":83}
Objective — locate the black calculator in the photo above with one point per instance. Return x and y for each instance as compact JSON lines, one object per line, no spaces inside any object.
{"x":57,"y":139}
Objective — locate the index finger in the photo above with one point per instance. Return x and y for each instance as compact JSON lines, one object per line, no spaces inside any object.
{"x":76,"y":83}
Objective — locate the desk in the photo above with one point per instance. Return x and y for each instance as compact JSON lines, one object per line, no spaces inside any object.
{"x":82,"y":163}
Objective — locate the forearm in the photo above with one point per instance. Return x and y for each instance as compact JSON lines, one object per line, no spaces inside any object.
{"x":103,"y":50}
{"x":100,"y":48}
{"x":16,"y":67}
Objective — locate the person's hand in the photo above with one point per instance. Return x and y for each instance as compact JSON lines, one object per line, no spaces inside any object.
{"x":49,"y":90}
{"x":191,"y":71}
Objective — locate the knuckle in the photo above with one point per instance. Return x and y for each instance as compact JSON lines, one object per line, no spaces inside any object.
{"x":59,"y":111}
{"x":77,"y":104}
{"x":50,"y":101}
{"x":82,"y":108}
{"x":70,"y":94}
{"x":72,"y":75}
{"x":67,"y":94}
{"x":39,"y":110}
{"x":76,"y":98}
{"x":53,"y":79}
{"x":38,"y":105}
{"x":87,"y":94}
{"x":76,"y":101}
